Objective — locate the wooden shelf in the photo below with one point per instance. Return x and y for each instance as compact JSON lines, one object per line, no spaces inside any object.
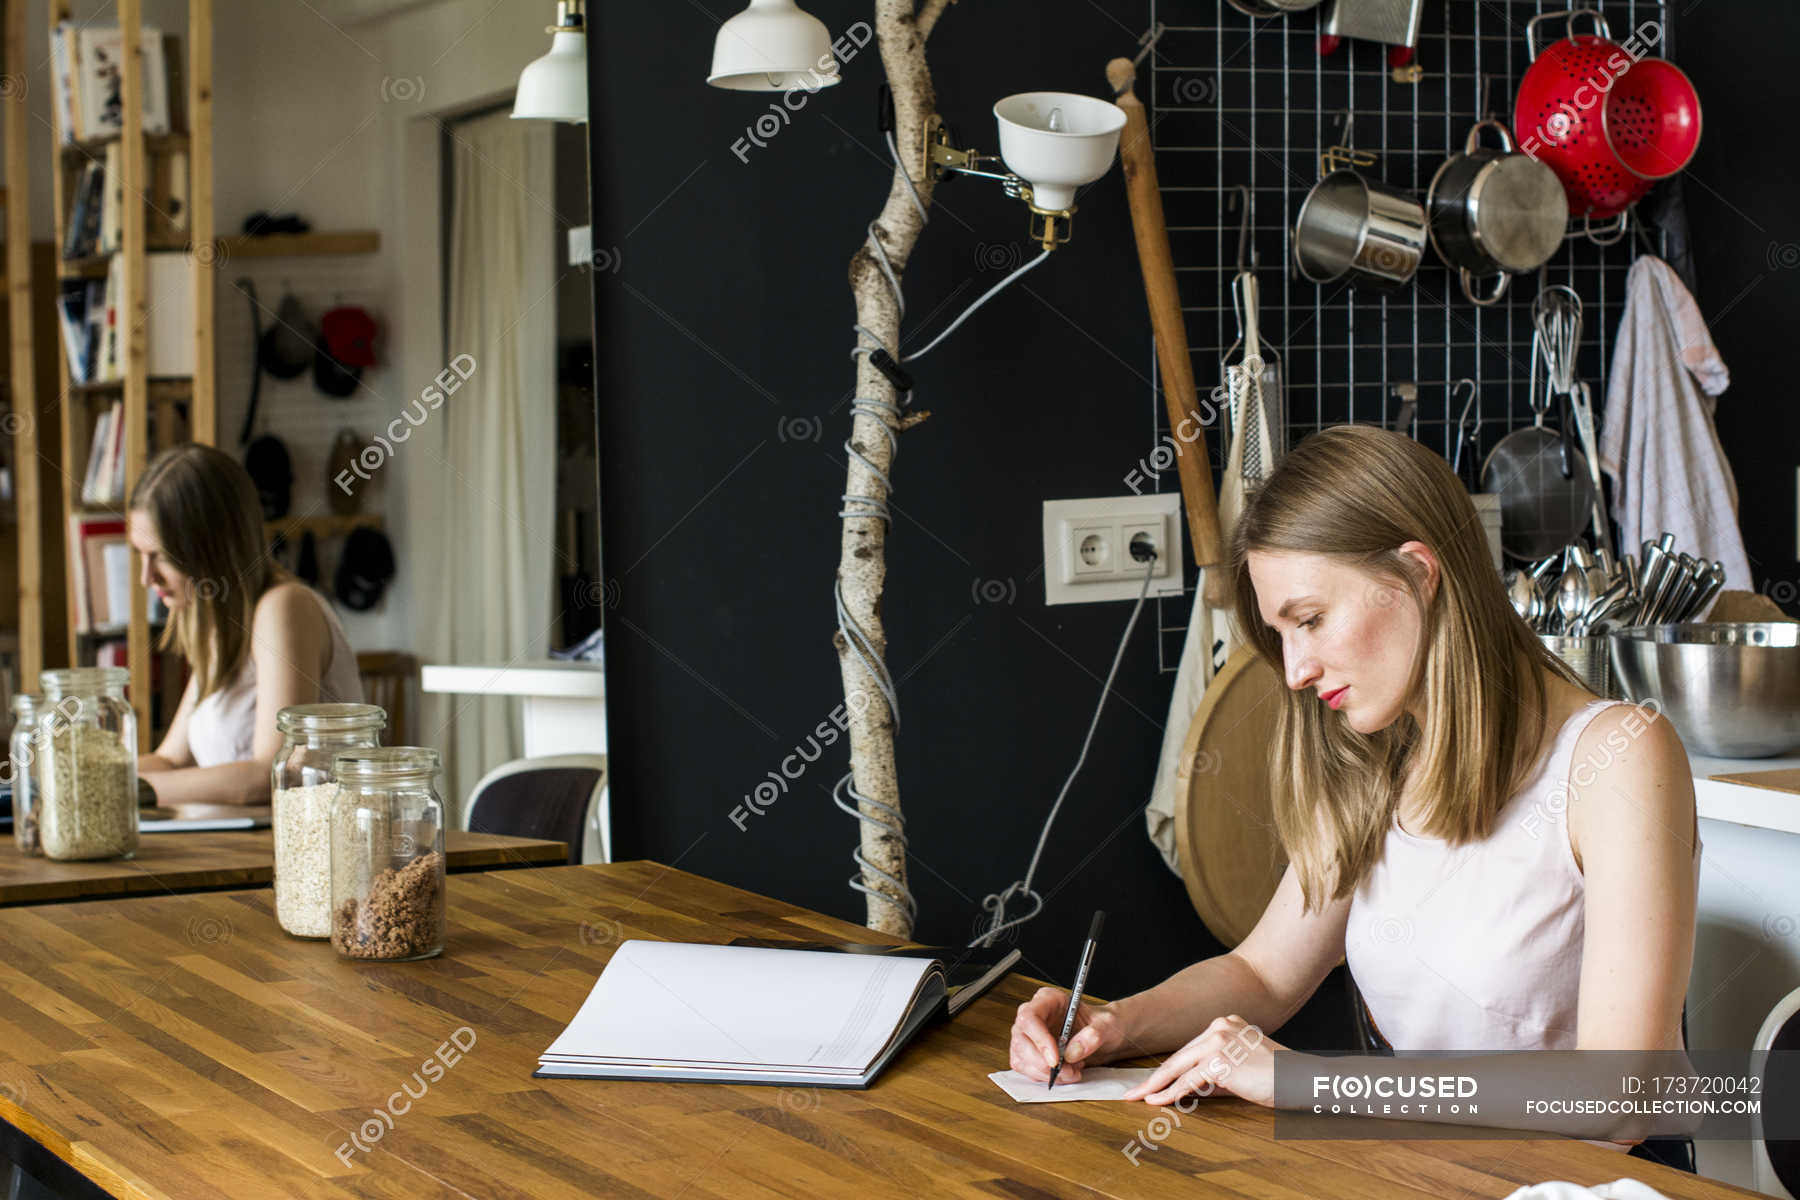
{"x":95,"y":266}
{"x":166,"y":407}
{"x":81,"y":151}
{"x":160,"y":385}
{"x":282,"y":245}
{"x":322,"y":526}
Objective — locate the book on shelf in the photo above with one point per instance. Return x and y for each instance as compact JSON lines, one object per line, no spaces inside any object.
{"x":96,"y":483}
{"x":81,"y":238}
{"x":112,"y":200}
{"x":683,"y":1012}
{"x":77,"y":299}
{"x":62,"y":78}
{"x":88,"y":537}
{"x":98,"y":102}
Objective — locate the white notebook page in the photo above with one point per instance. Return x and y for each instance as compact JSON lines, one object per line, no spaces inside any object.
{"x":680,"y":1003}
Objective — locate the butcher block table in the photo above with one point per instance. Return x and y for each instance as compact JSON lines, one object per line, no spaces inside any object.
{"x":193,"y":862}
{"x":183,"y":1046}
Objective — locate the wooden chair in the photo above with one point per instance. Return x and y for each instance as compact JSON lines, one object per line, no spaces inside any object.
{"x":390,"y":678}
{"x":555,"y":796}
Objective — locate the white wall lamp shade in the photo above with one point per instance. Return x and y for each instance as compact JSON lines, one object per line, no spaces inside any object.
{"x":771,"y":47}
{"x":1057,"y":142}
{"x":555,"y":87}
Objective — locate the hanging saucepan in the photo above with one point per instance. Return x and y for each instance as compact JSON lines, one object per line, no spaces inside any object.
{"x":1494,"y":212}
{"x":1608,"y":121}
{"x":1361,"y":228}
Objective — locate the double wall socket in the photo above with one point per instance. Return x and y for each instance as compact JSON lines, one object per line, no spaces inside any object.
{"x":1087,"y":547}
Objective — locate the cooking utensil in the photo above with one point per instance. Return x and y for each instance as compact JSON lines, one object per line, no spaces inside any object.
{"x":1572,"y":596}
{"x":1494,"y":212}
{"x":1541,"y":509}
{"x":1732,"y":690}
{"x":1395,"y":22}
{"x":1231,"y":858}
{"x":1581,"y":401}
{"x":1406,"y":414}
{"x":1521,"y":591}
{"x":1360,"y":228}
{"x":1467,"y":439}
{"x":1166,"y":322}
{"x":1607,"y":149}
{"x":1252,"y":384}
{"x":1589,"y":656}
{"x":1208,"y":623}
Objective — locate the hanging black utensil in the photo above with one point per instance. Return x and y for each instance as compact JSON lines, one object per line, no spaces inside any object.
{"x":249,"y":289}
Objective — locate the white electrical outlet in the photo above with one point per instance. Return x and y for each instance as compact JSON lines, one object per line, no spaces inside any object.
{"x":1087,"y":547}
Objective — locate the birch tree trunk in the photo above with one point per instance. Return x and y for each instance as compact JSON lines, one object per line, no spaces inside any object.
{"x":862,"y":565}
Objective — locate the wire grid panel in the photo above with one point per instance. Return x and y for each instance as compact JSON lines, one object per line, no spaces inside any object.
{"x":1237,"y":101}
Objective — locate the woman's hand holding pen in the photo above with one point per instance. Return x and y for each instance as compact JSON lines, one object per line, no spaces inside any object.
{"x":1099,"y":1036}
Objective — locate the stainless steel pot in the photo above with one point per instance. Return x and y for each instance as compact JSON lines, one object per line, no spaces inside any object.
{"x":1494,"y":212}
{"x":1358,"y":227}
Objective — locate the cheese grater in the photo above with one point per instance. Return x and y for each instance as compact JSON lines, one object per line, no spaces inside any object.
{"x":1395,"y":22}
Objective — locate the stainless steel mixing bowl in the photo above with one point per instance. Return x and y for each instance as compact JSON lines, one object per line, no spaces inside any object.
{"x":1732,"y":690}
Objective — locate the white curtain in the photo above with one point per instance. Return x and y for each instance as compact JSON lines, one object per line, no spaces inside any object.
{"x":488,"y":596}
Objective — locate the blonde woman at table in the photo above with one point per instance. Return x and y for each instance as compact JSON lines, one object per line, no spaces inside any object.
{"x":1506,"y":861}
{"x":255,"y":638}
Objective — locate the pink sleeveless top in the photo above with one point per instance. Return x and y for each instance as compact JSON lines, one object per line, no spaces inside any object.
{"x":222,"y":727}
{"x":1479,"y":948}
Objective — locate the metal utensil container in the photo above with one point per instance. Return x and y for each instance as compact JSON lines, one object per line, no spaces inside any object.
{"x":1359,"y":227}
{"x":1591,"y":658}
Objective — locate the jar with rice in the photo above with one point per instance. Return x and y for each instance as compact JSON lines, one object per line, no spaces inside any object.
{"x":302,"y":790}
{"x":87,"y":765}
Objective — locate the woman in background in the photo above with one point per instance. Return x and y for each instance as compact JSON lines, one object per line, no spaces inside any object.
{"x":256,"y":639}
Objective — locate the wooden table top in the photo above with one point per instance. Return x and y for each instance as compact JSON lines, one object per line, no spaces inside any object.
{"x":182,"y":1045}
{"x":188,"y":862}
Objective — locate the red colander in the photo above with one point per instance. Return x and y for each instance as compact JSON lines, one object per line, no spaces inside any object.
{"x":1608,"y":121}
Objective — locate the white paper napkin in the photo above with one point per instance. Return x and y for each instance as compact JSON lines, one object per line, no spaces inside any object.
{"x":1096,"y":1083}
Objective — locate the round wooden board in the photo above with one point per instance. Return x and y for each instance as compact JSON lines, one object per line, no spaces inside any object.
{"x":1231,"y":858}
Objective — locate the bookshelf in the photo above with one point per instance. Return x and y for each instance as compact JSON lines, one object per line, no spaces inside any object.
{"x":31,"y":525}
{"x":156,"y":412}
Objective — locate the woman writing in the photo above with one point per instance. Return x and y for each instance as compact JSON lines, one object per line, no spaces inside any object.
{"x":255,"y":639}
{"x":1506,"y":861}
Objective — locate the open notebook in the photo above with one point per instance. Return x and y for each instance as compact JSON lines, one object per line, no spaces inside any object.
{"x":681,"y":1012}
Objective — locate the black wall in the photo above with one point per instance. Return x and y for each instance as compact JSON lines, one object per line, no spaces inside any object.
{"x":723,"y":367}
{"x":1741,"y":204}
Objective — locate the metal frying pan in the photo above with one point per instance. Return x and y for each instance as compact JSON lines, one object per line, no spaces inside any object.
{"x":1546,"y":494}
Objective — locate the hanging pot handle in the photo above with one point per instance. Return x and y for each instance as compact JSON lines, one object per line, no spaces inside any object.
{"x":1600,"y":26}
{"x":1473,"y":142}
{"x":1493,"y":297}
{"x":1614,"y":231}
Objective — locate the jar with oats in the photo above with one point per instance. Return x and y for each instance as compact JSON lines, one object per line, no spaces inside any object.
{"x":302,"y":788}
{"x":87,"y":765}
{"x":387,"y":854}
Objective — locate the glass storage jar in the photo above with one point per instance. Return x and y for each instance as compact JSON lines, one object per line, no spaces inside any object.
{"x":387,"y":854}
{"x":87,"y":765}
{"x":301,"y":789}
{"x":22,"y":760}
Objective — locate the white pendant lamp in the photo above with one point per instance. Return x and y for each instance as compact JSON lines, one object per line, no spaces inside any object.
{"x":770,"y":47}
{"x":554,"y":87}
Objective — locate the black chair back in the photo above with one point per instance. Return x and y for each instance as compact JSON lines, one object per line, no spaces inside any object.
{"x":541,"y":802}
